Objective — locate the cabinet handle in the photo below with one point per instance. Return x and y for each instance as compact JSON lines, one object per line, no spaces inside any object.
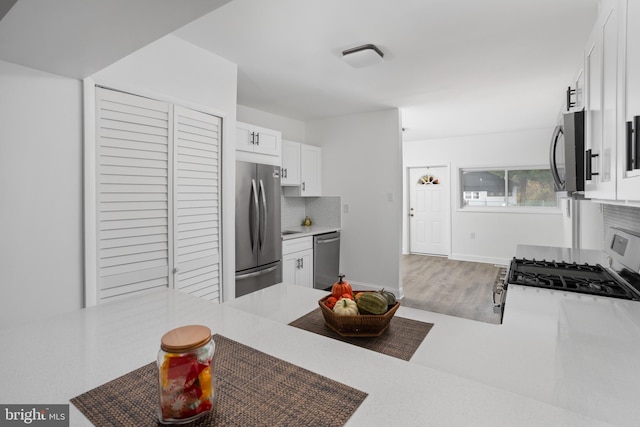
{"x":587,"y":165}
{"x":253,"y":134}
{"x":303,"y":186}
{"x":257,"y":138}
{"x":569,"y":102}
{"x":301,"y":263}
{"x":630,"y":161}
{"x":636,"y":143}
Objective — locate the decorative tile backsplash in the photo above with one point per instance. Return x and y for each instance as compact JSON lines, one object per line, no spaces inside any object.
{"x":292,"y":211}
{"x":323,"y":211}
{"x":626,"y":217}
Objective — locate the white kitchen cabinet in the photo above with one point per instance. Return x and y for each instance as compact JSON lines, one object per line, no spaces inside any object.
{"x":310,"y":179}
{"x":601,"y":87}
{"x":290,"y":163}
{"x":256,"y":139}
{"x":297,"y":261}
{"x":628,"y":150}
{"x":576,"y":93}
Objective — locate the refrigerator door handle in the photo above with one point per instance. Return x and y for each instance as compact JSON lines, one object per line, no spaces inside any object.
{"x":256,"y":273}
{"x":263,"y":217}
{"x":254,"y":223}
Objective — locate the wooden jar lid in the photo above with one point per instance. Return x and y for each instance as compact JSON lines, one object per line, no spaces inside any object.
{"x":185,"y":338}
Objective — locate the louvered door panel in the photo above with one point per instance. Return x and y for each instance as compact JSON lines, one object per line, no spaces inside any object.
{"x":133,"y":194}
{"x":197,"y":214}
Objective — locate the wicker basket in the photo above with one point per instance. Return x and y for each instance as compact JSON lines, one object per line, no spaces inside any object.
{"x":361,"y":325}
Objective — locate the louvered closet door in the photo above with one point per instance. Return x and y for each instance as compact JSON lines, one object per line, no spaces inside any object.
{"x":134,"y":161}
{"x":196,"y":189}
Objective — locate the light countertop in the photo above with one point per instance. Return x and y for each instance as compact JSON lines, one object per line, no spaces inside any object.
{"x":527,"y":372}
{"x":302,"y":231}
{"x":570,"y":351}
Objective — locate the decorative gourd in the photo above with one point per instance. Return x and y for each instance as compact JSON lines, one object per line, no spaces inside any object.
{"x":372,"y":303}
{"x":390,"y":297}
{"x":346,"y":307}
{"x":341,"y":287}
{"x":330,"y":302}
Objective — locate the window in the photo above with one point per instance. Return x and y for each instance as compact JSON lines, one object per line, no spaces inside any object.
{"x":507,"y":188}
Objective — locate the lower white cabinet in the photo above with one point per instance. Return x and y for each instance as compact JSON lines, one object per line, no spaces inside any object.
{"x":297,"y":261}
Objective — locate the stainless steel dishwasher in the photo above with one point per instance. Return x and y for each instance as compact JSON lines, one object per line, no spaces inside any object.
{"x":326,"y":259}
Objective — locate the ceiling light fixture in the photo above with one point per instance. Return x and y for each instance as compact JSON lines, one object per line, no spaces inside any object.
{"x":363,"y":56}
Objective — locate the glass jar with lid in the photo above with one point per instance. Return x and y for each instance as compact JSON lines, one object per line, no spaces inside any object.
{"x":185,"y":374}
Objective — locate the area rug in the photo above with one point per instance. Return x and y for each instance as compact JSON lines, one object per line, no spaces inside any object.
{"x":401,"y":340}
{"x":252,"y":389}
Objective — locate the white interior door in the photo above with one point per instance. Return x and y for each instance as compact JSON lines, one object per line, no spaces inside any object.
{"x":429,"y":210}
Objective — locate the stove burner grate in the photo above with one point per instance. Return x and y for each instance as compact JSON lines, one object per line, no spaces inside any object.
{"x":573,"y":277}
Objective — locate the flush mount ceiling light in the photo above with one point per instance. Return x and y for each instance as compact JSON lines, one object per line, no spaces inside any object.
{"x":363,"y":56}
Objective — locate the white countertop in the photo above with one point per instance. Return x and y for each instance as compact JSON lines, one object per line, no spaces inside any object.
{"x":530,"y":371}
{"x":569,"y":351}
{"x":302,"y":231}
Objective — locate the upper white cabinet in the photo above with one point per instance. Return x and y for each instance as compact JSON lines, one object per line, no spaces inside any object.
{"x":601,"y":101}
{"x":256,"y":139}
{"x":629,"y":140}
{"x":290,"y":163}
{"x":576,"y":93}
{"x":310,"y":166}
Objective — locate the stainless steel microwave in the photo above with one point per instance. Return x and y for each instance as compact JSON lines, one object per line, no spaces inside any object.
{"x":566,"y":155}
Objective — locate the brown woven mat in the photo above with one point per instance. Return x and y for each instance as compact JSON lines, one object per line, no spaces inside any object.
{"x":401,"y":340}
{"x":252,"y":389}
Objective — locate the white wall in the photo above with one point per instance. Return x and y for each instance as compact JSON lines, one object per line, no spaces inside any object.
{"x":173,"y":70}
{"x":40,"y":194}
{"x":497,"y":233}
{"x":291,"y":129}
{"x":362,"y":163}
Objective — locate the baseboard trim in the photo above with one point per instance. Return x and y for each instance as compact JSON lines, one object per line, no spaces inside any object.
{"x":360,"y":286}
{"x":476,"y":258}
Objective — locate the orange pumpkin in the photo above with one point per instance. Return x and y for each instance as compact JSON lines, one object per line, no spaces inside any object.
{"x":341,"y":287}
{"x":331,"y":302}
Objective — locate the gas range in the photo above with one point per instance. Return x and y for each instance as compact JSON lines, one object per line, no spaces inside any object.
{"x":571,"y":277}
{"x":621,"y":279}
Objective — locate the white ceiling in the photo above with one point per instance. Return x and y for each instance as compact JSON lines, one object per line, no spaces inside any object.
{"x":76,"y":38}
{"x":453,"y":67}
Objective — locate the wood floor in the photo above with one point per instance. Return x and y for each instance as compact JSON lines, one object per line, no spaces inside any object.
{"x":457,"y":288}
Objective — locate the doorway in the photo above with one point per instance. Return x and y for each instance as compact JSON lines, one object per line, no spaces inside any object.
{"x":429,"y":210}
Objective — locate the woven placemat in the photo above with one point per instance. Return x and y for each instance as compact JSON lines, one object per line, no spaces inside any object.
{"x":252,"y":389}
{"x":401,"y":340}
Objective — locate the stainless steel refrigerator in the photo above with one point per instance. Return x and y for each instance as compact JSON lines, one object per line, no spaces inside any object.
{"x":258,"y":236}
